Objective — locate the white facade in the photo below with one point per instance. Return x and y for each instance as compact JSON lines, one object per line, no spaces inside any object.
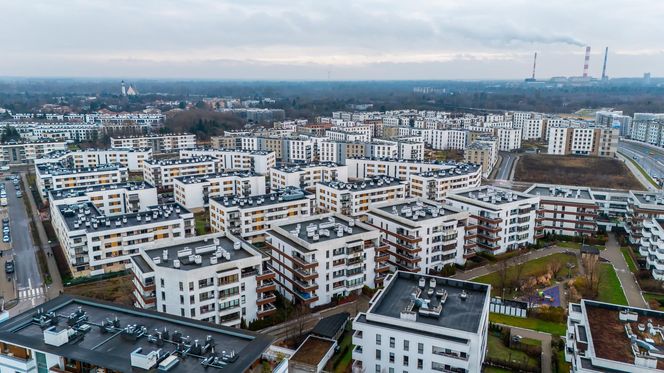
{"x":443,"y":139}
{"x":158,"y":143}
{"x":435,"y":185}
{"x":354,"y":199}
{"x":194,"y":192}
{"x":307,"y":175}
{"x":55,"y":176}
{"x":131,"y":158}
{"x":362,"y":168}
{"x":109,"y":199}
{"x":258,"y":161}
{"x":23,"y":152}
{"x":321,"y":257}
{"x":565,"y":210}
{"x":508,"y":139}
{"x":532,"y":129}
{"x":162,"y":173}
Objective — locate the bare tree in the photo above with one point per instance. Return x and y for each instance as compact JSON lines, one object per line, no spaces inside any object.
{"x":502,"y":275}
{"x":555,"y":267}
{"x":518,"y":273}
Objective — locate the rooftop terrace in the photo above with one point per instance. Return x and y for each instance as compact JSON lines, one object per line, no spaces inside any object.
{"x":86,"y":216}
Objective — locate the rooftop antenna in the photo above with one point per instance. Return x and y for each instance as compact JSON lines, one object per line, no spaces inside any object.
{"x":586,"y":62}
{"x":606,"y":56}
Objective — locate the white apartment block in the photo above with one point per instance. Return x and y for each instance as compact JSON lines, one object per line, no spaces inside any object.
{"x":414,"y":325}
{"x":162,"y":173}
{"x":214,"y":278}
{"x":158,"y":143}
{"x":483,"y":152}
{"x":382,"y":149}
{"x":501,"y":220}
{"x":307,"y":175}
{"x":354,"y":199}
{"x":423,"y":236}
{"x":24,"y":152}
{"x":194,"y":192}
{"x":362,"y":168}
{"x":641,"y":208}
{"x":508,"y":139}
{"x":533,"y":129}
{"x":318,"y":258}
{"x":565,"y":210}
{"x":434,"y":185}
{"x":443,"y":139}
{"x":258,"y":161}
{"x":95,"y":243}
{"x":604,"y":337}
{"x":55,"y":176}
{"x":65,"y":132}
{"x":339,"y":134}
{"x":651,"y":246}
{"x":131,"y":158}
{"x":602,"y":142}
{"x":249,"y":218}
{"x":109,"y":199}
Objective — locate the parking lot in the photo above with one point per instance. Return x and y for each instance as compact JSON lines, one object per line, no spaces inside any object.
{"x":8,"y":279}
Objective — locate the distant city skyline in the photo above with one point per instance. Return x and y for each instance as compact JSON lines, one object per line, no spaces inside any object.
{"x":340,"y":40}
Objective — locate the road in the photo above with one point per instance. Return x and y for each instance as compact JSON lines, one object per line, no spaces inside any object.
{"x":28,"y":278}
{"x":651,"y":163}
{"x":506,"y":165}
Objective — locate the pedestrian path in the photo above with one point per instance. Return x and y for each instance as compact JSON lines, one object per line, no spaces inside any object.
{"x":30,"y":293}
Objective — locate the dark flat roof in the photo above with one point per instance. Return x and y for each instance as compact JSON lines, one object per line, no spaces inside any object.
{"x":328,"y":327}
{"x":464,"y":315}
{"x":113,"y":351}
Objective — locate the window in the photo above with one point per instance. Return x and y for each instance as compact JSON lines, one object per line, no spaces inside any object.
{"x":405,"y":360}
{"x":391,"y":342}
{"x":182,"y":312}
{"x":420,"y":348}
{"x":377,"y":339}
{"x":181,"y":286}
{"x":391,"y":357}
{"x":377,"y":368}
{"x":405,"y":345}
{"x":420,"y":364}
{"x":193,"y":312}
{"x":377,"y":354}
{"x":161,"y":282}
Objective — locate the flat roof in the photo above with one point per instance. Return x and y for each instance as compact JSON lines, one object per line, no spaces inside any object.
{"x":491,"y":194}
{"x":571,"y":192}
{"x":300,"y":167}
{"x":56,"y":169}
{"x":458,"y":170}
{"x":417,"y":210}
{"x":374,"y":182}
{"x":312,"y":351}
{"x":205,"y":247}
{"x":194,"y":179}
{"x":649,"y":198}
{"x":318,"y":225}
{"x":59,"y":194}
{"x":179,"y":161}
{"x":112,"y":349}
{"x":87,"y":217}
{"x":285,"y":195}
{"x":457,"y":313}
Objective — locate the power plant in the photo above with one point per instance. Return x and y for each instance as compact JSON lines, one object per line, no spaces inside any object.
{"x":586,"y":63}
{"x":583,"y":78}
{"x":606,"y":56}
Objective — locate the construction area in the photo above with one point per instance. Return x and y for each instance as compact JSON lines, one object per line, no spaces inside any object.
{"x":594,"y":172}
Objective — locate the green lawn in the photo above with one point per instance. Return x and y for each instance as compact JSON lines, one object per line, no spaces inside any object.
{"x":200,"y":220}
{"x":532,"y":268}
{"x":498,"y":350}
{"x":563,"y":366}
{"x":650,"y":297}
{"x":628,"y":258}
{"x":496,"y":370}
{"x":530,"y":342}
{"x":610,"y":290}
{"x":529,"y":323}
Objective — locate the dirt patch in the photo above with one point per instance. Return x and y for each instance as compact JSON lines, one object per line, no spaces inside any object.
{"x":595,"y":172}
{"x":117,"y":290}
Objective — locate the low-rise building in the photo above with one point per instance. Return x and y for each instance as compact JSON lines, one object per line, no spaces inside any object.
{"x":249,"y":217}
{"x":57,"y":176}
{"x":162,"y":173}
{"x":434,"y":185}
{"x":69,"y":333}
{"x":307,"y":175}
{"x":603,"y":337}
{"x":194,"y":192}
{"x":94,"y":243}
{"x":319,"y":258}
{"x":355,"y":198}
{"x":423,"y":236}
{"x":214,"y":278}
{"x":159,"y":143}
{"x":500,"y":219}
{"x":423,"y":323}
{"x":565,"y":210}
{"x":110,"y":199}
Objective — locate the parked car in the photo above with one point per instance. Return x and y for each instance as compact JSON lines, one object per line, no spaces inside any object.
{"x":19,"y":194}
{"x":5,"y":238}
{"x":9,"y":267}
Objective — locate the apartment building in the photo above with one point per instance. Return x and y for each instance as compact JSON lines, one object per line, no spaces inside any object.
{"x":194,"y":192}
{"x":642,"y":207}
{"x":318,"y":258}
{"x":355,"y":198}
{"x":249,"y":218}
{"x":651,"y":246}
{"x":257,"y":161}
{"x":306,"y":176}
{"x":362,"y":168}
{"x":533,"y":129}
{"x":565,"y":210}
{"x":95,"y":243}
{"x":339,"y":134}
{"x":109,"y":199}
{"x":444,"y":139}
{"x":70,"y":333}
{"x":59,"y":132}
{"x":339,"y":152}
{"x":414,"y":324}
{"x":131,"y":158}
{"x":614,"y":119}
{"x":56,"y":176}
{"x":24,"y":152}
{"x":435,"y":185}
{"x":159,"y":143}
{"x":604,"y":337}
{"x":648,"y":128}
{"x":162,"y":173}
{"x":423,"y":236}
{"x":214,"y":278}
{"x":601,"y":142}
{"x":501,"y":220}
{"x":508,"y":139}
{"x":483,"y":152}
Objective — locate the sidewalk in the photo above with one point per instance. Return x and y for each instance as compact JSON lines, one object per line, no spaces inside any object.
{"x":627,"y":280}
{"x":545,"y":338}
{"x":55,"y":288}
{"x":635,"y":171}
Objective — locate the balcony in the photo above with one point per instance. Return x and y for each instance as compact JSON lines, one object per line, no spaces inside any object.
{"x":381,"y":268}
{"x":357,"y":367}
{"x":380,"y":258}
{"x":266,"y":298}
{"x":266,"y":286}
{"x":305,"y":286}
{"x":266,"y":275}
{"x":357,"y":353}
{"x":266,"y":310}
{"x":304,"y":263}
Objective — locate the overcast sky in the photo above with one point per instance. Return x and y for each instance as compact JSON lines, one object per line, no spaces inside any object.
{"x":347,"y":39}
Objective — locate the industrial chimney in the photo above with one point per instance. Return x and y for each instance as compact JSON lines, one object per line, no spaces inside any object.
{"x":606,"y":55}
{"x":586,"y":62}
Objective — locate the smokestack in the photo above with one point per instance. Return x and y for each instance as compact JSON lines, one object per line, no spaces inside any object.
{"x":586,"y":62}
{"x":534,"y":65}
{"x":606,"y":56}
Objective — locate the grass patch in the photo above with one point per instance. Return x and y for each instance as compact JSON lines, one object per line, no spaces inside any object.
{"x":656,"y":301}
{"x":529,"y":323}
{"x":498,"y":350}
{"x":530,"y":342}
{"x":610,"y":290}
{"x":569,"y":245}
{"x":628,"y":258}
{"x":496,"y":370}
{"x":563,"y":366}
{"x":642,"y":171}
{"x":533,"y":268}
{"x":201,"y":223}
{"x":116,"y":289}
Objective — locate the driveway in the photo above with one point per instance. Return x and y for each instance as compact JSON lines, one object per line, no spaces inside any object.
{"x":545,"y":338}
